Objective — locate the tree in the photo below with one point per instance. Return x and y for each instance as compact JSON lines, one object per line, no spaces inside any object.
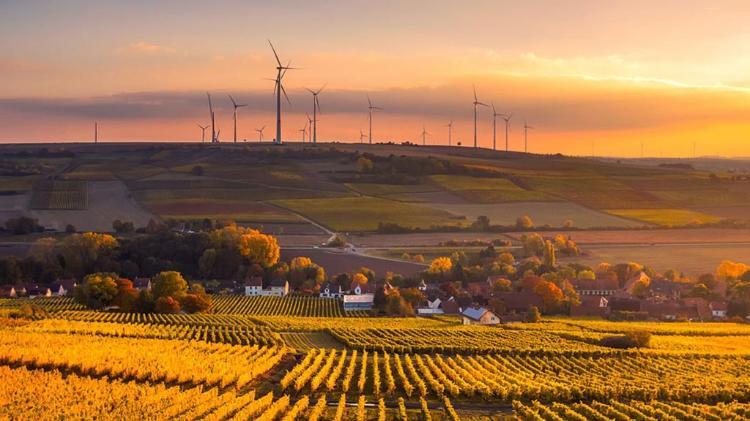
{"x":121,"y":227}
{"x":144,"y":303}
{"x":304,"y":273}
{"x":395,"y":304}
{"x":481,"y":224}
{"x":533,"y":315}
{"x":87,"y":253}
{"x":196,"y":300}
{"x":586,"y":275}
{"x":360,"y":279}
{"x":364,"y":164}
{"x":126,"y":295}
{"x":502,"y":285}
{"x":550,"y":261}
{"x":169,"y":284}
{"x":440,"y":266}
{"x":23,"y":225}
{"x":533,"y":245}
{"x":167,"y":305}
{"x":524,"y":222}
{"x":731,"y":270}
{"x":550,"y":293}
{"x":413,"y":296}
{"x":97,"y":290}
{"x":642,"y":287}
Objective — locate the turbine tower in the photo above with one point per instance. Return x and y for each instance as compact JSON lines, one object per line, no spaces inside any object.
{"x":260,"y":133}
{"x":304,"y":132}
{"x":476,"y":102}
{"x":96,"y":132}
{"x":316,"y":109}
{"x":425,"y":133}
{"x":450,"y":130}
{"x":234,"y":116}
{"x":526,"y":128}
{"x":311,"y":123}
{"x":212,"y":116}
{"x":495,"y":115}
{"x":203,"y":132}
{"x":362,"y":137}
{"x":371,"y":107}
{"x":507,"y":125}
{"x":279,"y":89}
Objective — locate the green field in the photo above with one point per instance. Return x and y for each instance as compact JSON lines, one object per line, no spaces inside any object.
{"x":364,"y":213}
{"x":488,"y":190}
{"x":666,"y":217}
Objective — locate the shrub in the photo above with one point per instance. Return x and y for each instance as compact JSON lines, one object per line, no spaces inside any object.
{"x":633,"y":339}
{"x":533,"y":315}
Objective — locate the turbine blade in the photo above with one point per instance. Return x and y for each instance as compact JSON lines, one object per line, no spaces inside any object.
{"x":285,"y":95}
{"x":274,"y":53}
{"x":232,"y":99}
{"x":322,"y":87}
{"x":317,"y":103}
{"x":368,"y":101}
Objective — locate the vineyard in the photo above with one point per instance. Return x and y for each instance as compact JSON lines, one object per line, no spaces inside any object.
{"x":632,"y":410}
{"x":61,"y":195}
{"x":280,"y":358}
{"x":282,"y":306}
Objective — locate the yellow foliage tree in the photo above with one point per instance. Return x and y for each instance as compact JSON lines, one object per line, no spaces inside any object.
{"x":257,"y":247}
{"x":729,"y":269}
{"x":440,"y":265}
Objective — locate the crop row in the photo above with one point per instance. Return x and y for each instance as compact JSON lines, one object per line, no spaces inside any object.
{"x":282,"y":306}
{"x":526,"y":378}
{"x":156,"y":360}
{"x":631,"y":410}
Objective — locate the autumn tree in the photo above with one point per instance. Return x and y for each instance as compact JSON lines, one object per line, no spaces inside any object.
{"x":731,"y":270}
{"x":251,"y":244}
{"x":550,"y":293}
{"x":87,"y":252}
{"x":303,"y":273}
{"x":413,"y":296}
{"x":126,"y":295}
{"x":440,"y":266}
{"x":502,"y":285}
{"x":364,"y":164}
{"x":533,"y":245}
{"x":524,"y":222}
{"x":169,"y":284}
{"x":550,"y":260}
{"x":167,"y":305}
{"x":196,"y":300}
{"x":97,"y":290}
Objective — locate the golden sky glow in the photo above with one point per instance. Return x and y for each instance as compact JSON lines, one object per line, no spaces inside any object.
{"x":602,"y":75}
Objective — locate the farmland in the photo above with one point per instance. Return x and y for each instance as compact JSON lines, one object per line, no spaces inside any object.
{"x":239,"y":362}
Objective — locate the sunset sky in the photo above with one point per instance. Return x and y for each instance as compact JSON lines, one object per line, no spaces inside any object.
{"x":601,"y":75}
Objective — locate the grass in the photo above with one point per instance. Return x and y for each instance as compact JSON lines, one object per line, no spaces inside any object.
{"x":364,"y":213}
{"x":374,"y":189}
{"x":488,"y":190}
{"x":666,"y":217}
{"x":593,"y":191}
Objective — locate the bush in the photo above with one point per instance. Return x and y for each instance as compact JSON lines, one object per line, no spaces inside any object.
{"x":167,"y":305}
{"x":533,"y":315}
{"x":633,"y":339}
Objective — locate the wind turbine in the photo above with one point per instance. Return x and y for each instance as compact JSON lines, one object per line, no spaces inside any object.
{"x":362,"y":136}
{"x":425,"y":133}
{"x":495,"y":115}
{"x":476,"y":102}
{"x":316,"y":109}
{"x":450,"y":130}
{"x":371,"y":107}
{"x":214,"y":135}
{"x":526,"y":128}
{"x":311,"y":122}
{"x":507,"y":125}
{"x":234,"y":116}
{"x":260,"y":133}
{"x":304,"y":132}
{"x":203,"y":132}
{"x":278,"y":89}
{"x":96,"y":132}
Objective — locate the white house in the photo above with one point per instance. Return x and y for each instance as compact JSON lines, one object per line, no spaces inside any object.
{"x":358,"y":302}
{"x":254,"y":286}
{"x":142,"y":283}
{"x":479,"y":316}
{"x":330,"y":290}
{"x":63,"y":287}
{"x":277,"y":288}
{"x":433,"y":306}
{"x":718,"y":309}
